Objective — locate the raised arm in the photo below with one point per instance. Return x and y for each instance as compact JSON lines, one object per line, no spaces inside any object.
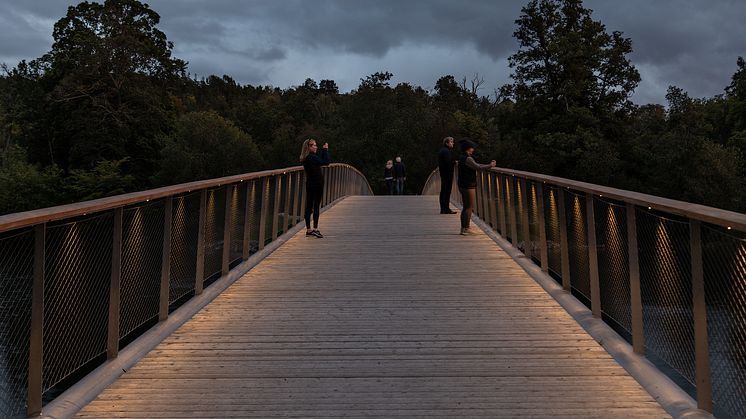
{"x":470,"y":162}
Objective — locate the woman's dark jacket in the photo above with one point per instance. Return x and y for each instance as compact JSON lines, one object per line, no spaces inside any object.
{"x":312,"y":165}
{"x":467,"y":176}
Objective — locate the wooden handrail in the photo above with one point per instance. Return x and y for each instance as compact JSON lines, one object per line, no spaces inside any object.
{"x":43,"y":215}
{"x":704,"y":213}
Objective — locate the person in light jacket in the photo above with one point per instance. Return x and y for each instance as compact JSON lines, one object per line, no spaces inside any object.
{"x":388,"y":176}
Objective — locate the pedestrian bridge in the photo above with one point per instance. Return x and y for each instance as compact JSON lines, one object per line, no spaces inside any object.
{"x":207,"y":300}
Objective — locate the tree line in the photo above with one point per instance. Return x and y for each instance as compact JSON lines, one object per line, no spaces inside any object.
{"x":109,"y":110}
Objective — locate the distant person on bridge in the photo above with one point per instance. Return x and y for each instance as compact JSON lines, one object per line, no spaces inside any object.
{"x":388,"y":176}
{"x":467,"y":181}
{"x":400,"y":175}
{"x":312,"y":162}
{"x":446,"y":161}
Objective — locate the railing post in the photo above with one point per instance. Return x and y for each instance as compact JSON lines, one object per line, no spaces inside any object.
{"x":638,"y":333}
{"x":276,"y":206}
{"x":263,"y":212}
{"x":288,"y":187}
{"x":485,"y":185}
{"x":543,"y":250}
{"x":246,"y":249}
{"x":225,"y":265}
{"x":478,"y":207}
{"x":491,"y":177}
{"x":302,"y":212}
{"x":526,"y":233}
{"x":501,"y":196}
{"x":297,"y":198}
{"x":564,"y":251}
{"x":334,"y":184}
{"x":511,"y":210}
{"x":325,"y":192}
{"x":166,"y":258}
{"x":112,"y":341}
{"x":593,"y":256}
{"x":199,"y":280}
{"x":699,"y":307}
{"x":36,"y":342}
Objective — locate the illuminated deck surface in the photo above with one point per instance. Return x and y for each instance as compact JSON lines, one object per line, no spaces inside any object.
{"x":393,"y":314}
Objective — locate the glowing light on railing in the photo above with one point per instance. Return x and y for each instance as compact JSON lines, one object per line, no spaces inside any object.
{"x":649,"y":208}
{"x":210,"y":213}
{"x":729,"y":228}
{"x":664,"y":254}
{"x":614,"y":241}
{"x":72,"y":251}
{"x":134,"y":241}
{"x":577,"y":213}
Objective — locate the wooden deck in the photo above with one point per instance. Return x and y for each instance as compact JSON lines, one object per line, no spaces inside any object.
{"x":393,"y":314}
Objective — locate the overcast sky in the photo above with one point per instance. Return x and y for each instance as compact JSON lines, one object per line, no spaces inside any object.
{"x":692,"y":44}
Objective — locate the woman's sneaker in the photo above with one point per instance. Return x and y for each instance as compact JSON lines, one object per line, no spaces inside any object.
{"x":466,"y":232}
{"x":309,"y":233}
{"x":317,"y":233}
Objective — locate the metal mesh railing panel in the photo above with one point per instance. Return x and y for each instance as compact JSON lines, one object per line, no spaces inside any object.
{"x":281,"y":220}
{"x":724,"y":260}
{"x":577,"y":244}
{"x":296,"y":200}
{"x":552,"y":220}
{"x":185,"y":226}
{"x":510,"y":198}
{"x":613,"y":262}
{"x":666,"y":286}
{"x":76,"y":295}
{"x":214,"y":229}
{"x":255,"y":207}
{"x":499,"y":203}
{"x":238,"y":214}
{"x":533,"y":221}
{"x":520,"y":240}
{"x":142,"y":259}
{"x":268,"y":200}
{"x":16,"y":279}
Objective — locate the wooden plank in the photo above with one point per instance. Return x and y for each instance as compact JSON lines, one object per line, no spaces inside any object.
{"x":364,"y":323}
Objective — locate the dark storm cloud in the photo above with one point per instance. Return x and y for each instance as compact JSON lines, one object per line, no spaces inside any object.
{"x":688,"y":43}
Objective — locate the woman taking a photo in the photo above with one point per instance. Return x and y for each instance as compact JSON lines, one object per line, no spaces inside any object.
{"x":312,"y":162}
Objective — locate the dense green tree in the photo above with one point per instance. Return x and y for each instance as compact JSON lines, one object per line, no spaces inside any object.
{"x":566,"y":59}
{"x":25,"y":186}
{"x":109,"y":110}
{"x":204,"y":145}
{"x":108,"y":77}
{"x":105,"y":179}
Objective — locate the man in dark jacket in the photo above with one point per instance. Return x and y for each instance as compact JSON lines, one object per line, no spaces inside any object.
{"x":400,"y":175}
{"x":446,"y":161}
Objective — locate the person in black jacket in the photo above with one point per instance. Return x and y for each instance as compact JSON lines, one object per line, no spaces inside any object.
{"x":400,"y":175}
{"x":467,"y":181}
{"x":446,"y":161}
{"x":312,"y":163}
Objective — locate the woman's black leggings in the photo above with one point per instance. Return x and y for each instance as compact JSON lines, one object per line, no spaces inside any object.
{"x":468,"y":200}
{"x":313,"y":204}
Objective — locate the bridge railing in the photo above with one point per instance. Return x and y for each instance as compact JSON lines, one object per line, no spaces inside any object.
{"x":78,"y":282}
{"x":670,"y":276}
